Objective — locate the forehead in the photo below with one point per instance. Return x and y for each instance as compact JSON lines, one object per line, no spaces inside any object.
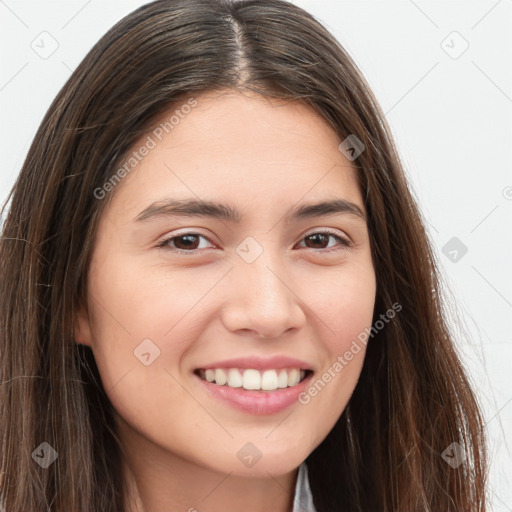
{"x":241,"y":148}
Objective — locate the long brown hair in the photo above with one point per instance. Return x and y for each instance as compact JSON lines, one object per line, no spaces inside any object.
{"x":412,"y":400}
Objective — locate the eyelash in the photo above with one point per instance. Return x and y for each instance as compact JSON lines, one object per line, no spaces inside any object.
{"x":344,"y":243}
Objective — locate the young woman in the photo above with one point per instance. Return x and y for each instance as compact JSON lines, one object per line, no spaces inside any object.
{"x":217,"y":291}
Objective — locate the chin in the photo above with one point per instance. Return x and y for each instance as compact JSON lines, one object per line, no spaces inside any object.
{"x":249,"y":461}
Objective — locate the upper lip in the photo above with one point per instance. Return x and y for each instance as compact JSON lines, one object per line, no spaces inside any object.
{"x":259,"y":363}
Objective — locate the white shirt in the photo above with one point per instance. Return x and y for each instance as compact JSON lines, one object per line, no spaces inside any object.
{"x":303,"y":501}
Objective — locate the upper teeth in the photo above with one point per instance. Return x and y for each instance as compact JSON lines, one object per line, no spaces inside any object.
{"x":250,"y":379}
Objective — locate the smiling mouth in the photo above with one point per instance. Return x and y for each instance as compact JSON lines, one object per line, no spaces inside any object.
{"x":254,"y":380}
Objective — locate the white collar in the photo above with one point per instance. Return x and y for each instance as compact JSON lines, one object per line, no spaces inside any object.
{"x":303,"y":500}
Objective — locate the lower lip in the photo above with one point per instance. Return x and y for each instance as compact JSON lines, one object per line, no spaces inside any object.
{"x":257,"y":402}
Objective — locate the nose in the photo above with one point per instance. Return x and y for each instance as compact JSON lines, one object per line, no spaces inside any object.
{"x":261,"y":300}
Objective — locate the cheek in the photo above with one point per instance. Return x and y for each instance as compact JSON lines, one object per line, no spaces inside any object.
{"x":144,"y":322}
{"x":343,"y":301}
{"x":142,"y":294}
{"x":345,"y":310}
{"x":134,"y":303}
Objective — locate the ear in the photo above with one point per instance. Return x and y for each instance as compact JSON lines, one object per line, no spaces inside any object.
{"x":83,"y":327}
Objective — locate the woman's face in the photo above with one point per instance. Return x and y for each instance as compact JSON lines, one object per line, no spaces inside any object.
{"x":210,"y":256}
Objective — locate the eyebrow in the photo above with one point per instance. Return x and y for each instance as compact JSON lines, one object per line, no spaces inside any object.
{"x":225,"y":212}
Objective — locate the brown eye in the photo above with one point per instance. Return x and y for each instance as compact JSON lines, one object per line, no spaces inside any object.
{"x":321,"y":240}
{"x":186,"y":242}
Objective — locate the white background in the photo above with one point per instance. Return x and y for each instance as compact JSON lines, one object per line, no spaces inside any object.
{"x":450,"y":115}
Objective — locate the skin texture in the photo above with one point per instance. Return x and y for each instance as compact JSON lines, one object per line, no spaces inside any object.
{"x":264,"y":157}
